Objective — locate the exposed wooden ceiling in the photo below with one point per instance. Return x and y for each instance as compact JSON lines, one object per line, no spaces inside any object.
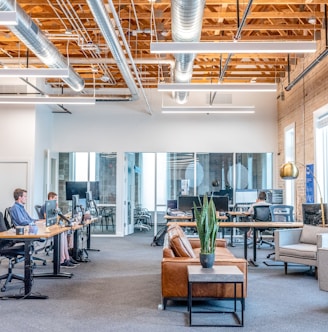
{"x":70,"y":25}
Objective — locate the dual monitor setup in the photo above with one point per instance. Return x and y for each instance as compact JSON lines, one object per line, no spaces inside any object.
{"x":80,"y":193}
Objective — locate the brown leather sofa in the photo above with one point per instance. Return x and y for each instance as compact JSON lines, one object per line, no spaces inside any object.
{"x":179,"y":252}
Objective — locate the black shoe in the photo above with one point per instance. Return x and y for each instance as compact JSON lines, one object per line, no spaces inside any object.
{"x":73,"y":261}
{"x":67,"y":264}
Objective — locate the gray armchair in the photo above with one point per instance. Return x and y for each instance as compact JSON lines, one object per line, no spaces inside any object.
{"x":323,"y":268}
{"x":300,"y":245}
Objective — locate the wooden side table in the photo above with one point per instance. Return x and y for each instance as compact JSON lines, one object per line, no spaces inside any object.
{"x":220,"y":274}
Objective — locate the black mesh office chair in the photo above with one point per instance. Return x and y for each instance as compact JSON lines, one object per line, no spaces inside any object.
{"x":14,"y":252}
{"x":262,"y":213}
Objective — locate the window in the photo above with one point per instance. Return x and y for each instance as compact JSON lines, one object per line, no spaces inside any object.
{"x":289,"y":140}
{"x":321,"y":142}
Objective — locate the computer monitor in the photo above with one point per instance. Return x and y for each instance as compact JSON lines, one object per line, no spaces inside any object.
{"x":224,"y":192}
{"x":76,"y":188}
{"x":312,"y":213}
{"x":186,"y":203}
{"x":75,"y":205}
{"x":94,"y":188}
{"x":172,"y":204}
{"x":51,"y":212}
{"x":88,"y":196}
{"x":246,"y":196}
{"x":221,"y":203}
{"x":273,"y":196}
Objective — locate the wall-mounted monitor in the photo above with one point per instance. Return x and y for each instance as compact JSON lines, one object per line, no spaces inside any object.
{"x":51,"y":212}
{"x":312,"y":214}
{"x":76,"y":188}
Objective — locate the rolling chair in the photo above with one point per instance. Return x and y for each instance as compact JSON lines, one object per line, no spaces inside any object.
{"x":262,"y":213}
{"x":34,"y":258}
{"x":14,"y":252}
{"x":141,"y":219}
{"x":282,"y":212}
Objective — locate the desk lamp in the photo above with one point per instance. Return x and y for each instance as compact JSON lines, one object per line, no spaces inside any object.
{"x":289,"y":171}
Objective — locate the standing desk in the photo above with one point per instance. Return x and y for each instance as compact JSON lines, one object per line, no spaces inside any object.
{"x":43,"y":232}
{"x":255,"y":225}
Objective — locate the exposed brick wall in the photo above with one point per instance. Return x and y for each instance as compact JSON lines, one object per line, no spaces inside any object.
{"x":307,"y":96}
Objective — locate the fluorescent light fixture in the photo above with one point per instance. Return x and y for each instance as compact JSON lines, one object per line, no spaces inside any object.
{"x":207,"y":109}
{"x":48,"y":100}
{"x":233,"y":47}
{"x":265,"y":87}
{"x":34,"y":72}
{"x":8,"y":18}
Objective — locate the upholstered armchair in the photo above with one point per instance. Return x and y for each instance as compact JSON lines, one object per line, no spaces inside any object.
{"x":323,"y":268}
{"x":300,"y":245}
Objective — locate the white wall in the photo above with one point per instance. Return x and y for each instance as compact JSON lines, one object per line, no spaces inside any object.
{"x":127,"y":127}
{"x":27,"y":133}
{"x":17,"y":137}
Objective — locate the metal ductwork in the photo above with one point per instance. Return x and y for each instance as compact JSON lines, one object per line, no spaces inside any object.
{"x":101,"y":17}
{"x":29,"y":33}
{"x":187,"y":18}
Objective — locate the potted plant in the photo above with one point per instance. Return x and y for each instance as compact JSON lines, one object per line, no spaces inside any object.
{"x":207,"y":227}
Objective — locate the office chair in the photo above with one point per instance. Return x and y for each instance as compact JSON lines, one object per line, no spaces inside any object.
{"x":262,"y":213}
{"x":107,"y":215}
{"x":14,"y":252}
{"x":141,"y":218}
{"x":282,"y":212}
{"x":38,"y":211}
{"x":34,"y":258}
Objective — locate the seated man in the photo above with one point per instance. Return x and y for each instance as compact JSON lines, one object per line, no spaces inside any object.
{"x":65,"y":259}
{"x":18,"y":214}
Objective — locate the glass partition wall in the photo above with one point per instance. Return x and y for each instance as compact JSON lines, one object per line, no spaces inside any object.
{"x":150,"y":180}
{"x":98,"y":172}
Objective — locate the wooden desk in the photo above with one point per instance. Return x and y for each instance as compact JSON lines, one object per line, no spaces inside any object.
{"x":255,"y":225}
{"x":189,"y":217}
{"x":43,"y":232}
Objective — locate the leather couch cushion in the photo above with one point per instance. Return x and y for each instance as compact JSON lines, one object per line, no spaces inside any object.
{"x":179,"y":242}
{"x":309,"y":233}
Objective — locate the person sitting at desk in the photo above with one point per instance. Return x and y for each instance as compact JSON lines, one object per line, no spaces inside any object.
{"x":65,"y":259}
{"x":261,"y":200}
{"x":19,"y":215}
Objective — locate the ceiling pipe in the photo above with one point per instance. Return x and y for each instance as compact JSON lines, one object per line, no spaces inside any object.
{"x":29,"y":33}
{"x":187,"y":18}
{"x":313,"y":63}
{"x":237,"y":36}
{"x":101,"y":17}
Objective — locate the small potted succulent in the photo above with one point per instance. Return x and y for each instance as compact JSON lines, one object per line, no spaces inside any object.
{"x":207,"y":228}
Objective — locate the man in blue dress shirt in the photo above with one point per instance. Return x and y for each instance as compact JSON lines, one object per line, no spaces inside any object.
{"x":19,"y":215}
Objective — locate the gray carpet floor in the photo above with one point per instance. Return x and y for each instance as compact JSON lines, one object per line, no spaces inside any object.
{"x":119,"y":290}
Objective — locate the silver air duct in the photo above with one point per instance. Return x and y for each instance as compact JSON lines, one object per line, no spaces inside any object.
{"x":101,"y":16}
{"x":187,"y":17}
{"x":29,"y":33}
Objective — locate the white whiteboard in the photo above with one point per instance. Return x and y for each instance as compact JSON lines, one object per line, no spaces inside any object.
{"x":12,"y":175}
